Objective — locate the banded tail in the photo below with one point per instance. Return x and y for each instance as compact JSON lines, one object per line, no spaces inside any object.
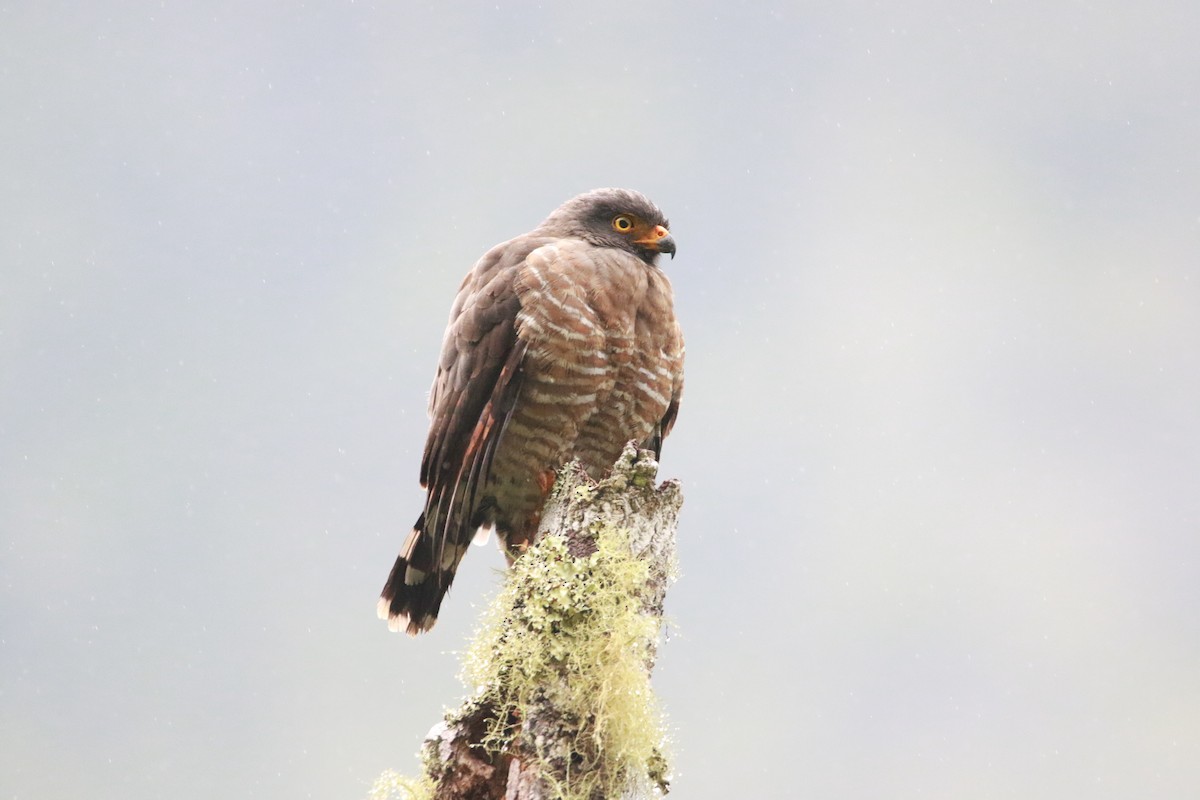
{"x":419,"y":581}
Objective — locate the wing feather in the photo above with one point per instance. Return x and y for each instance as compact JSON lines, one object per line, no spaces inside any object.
{"x":473,"y":394}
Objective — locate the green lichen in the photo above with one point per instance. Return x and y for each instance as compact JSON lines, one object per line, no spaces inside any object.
{"x":394,"y":786}
{"x":570,"y":633}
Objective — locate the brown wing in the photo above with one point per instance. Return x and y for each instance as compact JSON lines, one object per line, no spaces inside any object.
{"x":654,"y":441}
{"x":476,"y":386}
{"x":478,"y":379}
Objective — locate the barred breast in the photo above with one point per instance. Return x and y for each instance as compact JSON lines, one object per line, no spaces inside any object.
{"x":600,"y":370}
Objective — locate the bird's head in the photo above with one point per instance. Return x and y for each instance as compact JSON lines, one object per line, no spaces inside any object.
{"x":619,"y":218}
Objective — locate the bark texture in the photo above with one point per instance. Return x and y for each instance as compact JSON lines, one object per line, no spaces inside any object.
{"x":563,"y":706}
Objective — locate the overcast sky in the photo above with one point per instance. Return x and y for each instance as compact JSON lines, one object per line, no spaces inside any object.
{"x":938,"y":269}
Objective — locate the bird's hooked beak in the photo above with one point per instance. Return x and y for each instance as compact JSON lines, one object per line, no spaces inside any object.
{"x":659,"y":239}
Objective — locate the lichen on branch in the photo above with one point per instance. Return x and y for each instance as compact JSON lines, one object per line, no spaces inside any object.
{"x":560,"y":668}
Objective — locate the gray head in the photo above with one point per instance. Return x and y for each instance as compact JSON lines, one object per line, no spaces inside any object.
{"x":619,"y":218}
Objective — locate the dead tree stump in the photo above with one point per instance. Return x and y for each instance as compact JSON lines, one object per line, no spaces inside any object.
{"x":562,"y":704}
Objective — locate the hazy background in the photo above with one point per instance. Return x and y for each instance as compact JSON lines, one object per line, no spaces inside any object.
{"x":938,"y":271}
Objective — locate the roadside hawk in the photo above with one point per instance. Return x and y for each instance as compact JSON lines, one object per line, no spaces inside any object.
{"x":562,"y":344}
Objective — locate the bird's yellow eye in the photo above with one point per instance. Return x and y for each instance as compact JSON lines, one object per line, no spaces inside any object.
{"x":622,"y":223}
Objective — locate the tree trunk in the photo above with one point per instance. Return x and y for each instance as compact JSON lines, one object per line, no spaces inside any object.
{"x":563,"y":706}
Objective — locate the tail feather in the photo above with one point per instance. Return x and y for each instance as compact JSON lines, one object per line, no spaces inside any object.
{"x":456,"y":468}
{"x":418,"y":582}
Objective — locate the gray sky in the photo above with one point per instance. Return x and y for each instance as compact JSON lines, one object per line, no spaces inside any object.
{"x":938,"y":271}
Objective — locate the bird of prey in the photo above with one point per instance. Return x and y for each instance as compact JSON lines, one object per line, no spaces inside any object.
{"x":562,"y":344}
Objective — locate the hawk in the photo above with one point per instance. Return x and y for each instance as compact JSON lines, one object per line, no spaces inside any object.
{"x":562,"y":344}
